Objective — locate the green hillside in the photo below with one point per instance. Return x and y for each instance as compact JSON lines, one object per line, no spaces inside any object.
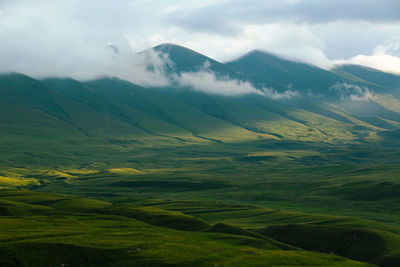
{"x":108,"y":173}
{"x":283,"y":74}
{"x":372,"y":76}
{"x":85,"y":232}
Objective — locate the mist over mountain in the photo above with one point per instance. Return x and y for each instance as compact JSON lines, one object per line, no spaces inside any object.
{"x":259,"y":95}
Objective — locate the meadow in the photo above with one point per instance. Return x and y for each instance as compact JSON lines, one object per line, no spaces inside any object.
{"x":255,"y":203}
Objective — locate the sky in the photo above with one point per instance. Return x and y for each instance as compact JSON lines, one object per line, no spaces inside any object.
{"x":86,"y":39}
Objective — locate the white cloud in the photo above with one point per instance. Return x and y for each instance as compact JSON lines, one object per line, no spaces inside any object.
{"x":69,"y":37}
{"x":63,"y":38}
{"x":206,"y":81}
{"x":381,"y":59}
{"x":146,"y":69}
{"x":352,"y":92}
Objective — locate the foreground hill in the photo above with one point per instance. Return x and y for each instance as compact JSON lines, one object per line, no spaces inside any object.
{"x":54,"y":230}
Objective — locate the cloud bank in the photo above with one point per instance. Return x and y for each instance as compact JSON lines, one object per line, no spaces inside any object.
{"x":86,"y":39}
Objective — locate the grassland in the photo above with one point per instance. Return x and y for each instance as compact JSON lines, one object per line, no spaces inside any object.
{"x":286,"y":198}
{"x":52,"y":230}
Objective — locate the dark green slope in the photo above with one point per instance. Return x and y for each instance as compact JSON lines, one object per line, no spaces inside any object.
{"x":282,"y":74}
{"x":36,"y":96}
{"x":30,"y":108}
{"x":130,"y":95}
{"x":187,"y":60}
{"x":375,"y":78}
{"x":30,"y":92}
{"x":165,"y":106}
{"x":99,"y":101}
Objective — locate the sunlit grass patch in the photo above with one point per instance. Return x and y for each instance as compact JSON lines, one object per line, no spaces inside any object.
{"x":124,"y":171}
{"x":6,"y":182}
{"x":57,"y":174}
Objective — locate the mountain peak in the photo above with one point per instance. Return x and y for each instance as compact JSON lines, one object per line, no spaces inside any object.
{"x":187,"y":60}
{"x":282,"y":73}
{"x":173,"y":48}
{"x":257,"y":51}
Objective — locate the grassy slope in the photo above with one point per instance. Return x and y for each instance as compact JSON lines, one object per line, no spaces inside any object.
{"x":80,"y":233}
{"x":294,"y":176}
{"x":224,"y":183}
{"x":283,"y":74}
{"x":48,"y":123}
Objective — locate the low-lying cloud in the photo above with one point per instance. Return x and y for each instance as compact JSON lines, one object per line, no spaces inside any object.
{"x":207,"y":81}
{"x":352,"y":92}
{"x":145,"y":69}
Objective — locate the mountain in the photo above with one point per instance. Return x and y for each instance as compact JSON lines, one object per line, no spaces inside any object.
{"x":265,"y":70}
{"x":187,"y":60}
{"x":110,"y":111}
{"x":371,"y":77}
{"x":282,"y":74}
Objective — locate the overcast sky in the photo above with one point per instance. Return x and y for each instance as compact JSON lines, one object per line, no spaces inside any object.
{"x":83,"y":39}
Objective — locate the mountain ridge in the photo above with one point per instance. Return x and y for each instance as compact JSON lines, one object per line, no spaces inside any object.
{"x":114,"y":111}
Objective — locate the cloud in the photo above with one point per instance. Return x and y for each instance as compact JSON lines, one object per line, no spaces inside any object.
{"x":223,"y":16}
{"x":45,"y":39}
{"x":352,"y":92}
{"x":206,"y":81}
{"x":381,"y":59}
{"x":83,"y":39}
{"x":311,"y":31}
{"x":146,"y":69}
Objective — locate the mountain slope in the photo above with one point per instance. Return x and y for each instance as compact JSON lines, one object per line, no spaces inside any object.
{"x":283,"y":74}
{"x":187,"y":60}
{"x":113,"y":113}
{"x":171,"y":110}
{"x":375,"y":78}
